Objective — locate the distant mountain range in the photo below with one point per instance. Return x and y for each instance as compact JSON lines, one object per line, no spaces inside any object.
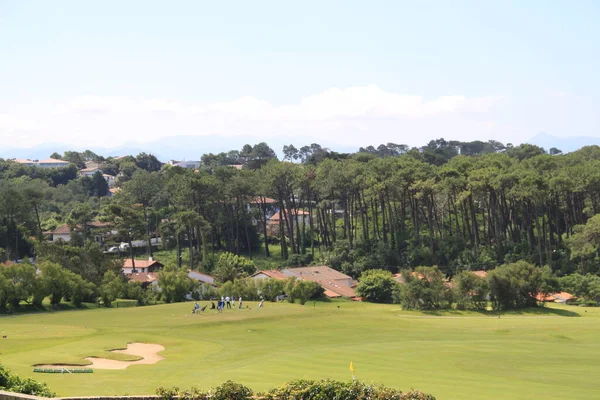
{"x":175,"y":147}
{"x":192,"y":147}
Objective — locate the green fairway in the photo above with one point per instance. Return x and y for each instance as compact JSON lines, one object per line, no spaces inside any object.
{"x":549,"y":353}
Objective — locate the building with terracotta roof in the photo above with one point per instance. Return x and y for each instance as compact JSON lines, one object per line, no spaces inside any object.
{"x":334,"y":283}
{"x":48,"y":163}
{"x":89,"y":171}
{"x":145,"y":278}
{"x":558,"y":297}
{"x":270,"y":274}
{"x":321,"y":273}
{"x":273,"y":222}
{"x":141,"y":266}
{"x":64,"y":231}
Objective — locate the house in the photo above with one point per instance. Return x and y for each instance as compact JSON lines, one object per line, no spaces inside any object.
{"x":334,"y":283}
{"x":559,"y":297}
{"x":52,"y":163}
{"x":270,"y":274}
{"x":141,"y":266}
{"x":89,"y":171}
{"x":27,"y":162}
{"x":202,"y":278}
{"x":274,"y":221}
{"x":113,"y":191}
{"x":145,"y":278}
{"x":63,"y":232}
{"x":110,"y":179}
{"x":321,"y":274}
{"x":48,"y":163}
{"x":188,"y":164}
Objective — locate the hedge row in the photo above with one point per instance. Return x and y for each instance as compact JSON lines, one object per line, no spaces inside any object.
{"x":296,"y":390}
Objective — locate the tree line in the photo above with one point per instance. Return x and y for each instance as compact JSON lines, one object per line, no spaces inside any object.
{"x":457,"y":205}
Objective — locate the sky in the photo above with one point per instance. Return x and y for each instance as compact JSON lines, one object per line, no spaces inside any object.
{"x":106,"y":73}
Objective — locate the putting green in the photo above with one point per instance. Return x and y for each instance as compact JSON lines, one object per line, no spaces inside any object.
{"x":551,"y":353}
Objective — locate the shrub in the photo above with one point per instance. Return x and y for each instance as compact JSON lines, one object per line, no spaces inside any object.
{"x":377,"y":286}
{"x":302,"y":290}
{"x":516,"y":285}
{"x":297,"y":390}
{"x":424,"y":289}
{"x":12,"y":383}
{"x":231,"y":391}
{"x":471,"y":291}
{"x":328,"y":389}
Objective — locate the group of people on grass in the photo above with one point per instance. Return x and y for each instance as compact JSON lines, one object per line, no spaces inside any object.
{"x":221,"y":304}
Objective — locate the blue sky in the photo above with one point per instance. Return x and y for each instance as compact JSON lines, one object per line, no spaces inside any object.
{"x":361,"y":72}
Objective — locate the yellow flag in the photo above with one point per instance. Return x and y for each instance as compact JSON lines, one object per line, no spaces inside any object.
{"x":351,"y":367}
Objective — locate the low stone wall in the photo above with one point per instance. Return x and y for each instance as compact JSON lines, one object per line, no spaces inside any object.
{"x":18,"y":396}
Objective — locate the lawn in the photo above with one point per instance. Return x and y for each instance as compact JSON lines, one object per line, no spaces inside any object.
{"x":552,"y":353}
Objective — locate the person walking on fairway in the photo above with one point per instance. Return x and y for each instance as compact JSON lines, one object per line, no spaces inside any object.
{"x":240,"y":303}
{"x":228,"y":301}
{"x":261,"y":303}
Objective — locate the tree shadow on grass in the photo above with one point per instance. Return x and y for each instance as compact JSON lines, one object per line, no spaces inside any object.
{"x":532,"y":311}
{"x":547,"y":311}
{"x":443,"y":313}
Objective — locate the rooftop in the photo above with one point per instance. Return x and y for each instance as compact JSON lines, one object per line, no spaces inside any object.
{"x":273,"y":273}
{"x":321,"y":272}
{"x":140,"y":263}
{"x":144,"y":277}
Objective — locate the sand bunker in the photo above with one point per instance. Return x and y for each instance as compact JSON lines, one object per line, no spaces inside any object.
{"x":148,"y":352}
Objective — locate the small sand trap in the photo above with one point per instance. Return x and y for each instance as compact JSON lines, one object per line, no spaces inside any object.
{"x":148,"y":351}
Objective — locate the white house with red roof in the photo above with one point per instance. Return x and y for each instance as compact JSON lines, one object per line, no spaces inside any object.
{"x":141,"y":266}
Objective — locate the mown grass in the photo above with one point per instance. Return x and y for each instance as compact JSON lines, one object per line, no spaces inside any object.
{"x":549,"y":353}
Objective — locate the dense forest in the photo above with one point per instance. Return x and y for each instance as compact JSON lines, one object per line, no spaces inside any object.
{"x":457,"y":205}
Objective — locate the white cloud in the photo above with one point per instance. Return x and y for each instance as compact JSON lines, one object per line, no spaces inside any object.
{"x":352,"y":116}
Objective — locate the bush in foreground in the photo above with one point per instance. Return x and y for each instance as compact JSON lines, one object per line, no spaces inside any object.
{"x":12,"y":383}
{"x":327,"y":389}
{"x":297,"y":390}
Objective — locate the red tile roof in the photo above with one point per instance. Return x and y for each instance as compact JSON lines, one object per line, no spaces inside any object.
{"x":564,"y":296}
{"x":275,"y":217}
{"x":319,"y":273}
{"x":140,"y":263}
{"x":90,"y":169}
{"x":61,"y":230}
{"x":53,"y":161}
{"x":331,"y":295}
{"x":272,"y":273}
{"x":66,"y":229}
{"x":480,"y":273}
{"x":267,"y":200}
{"x":144,"y":277}
{"x":340,"y":290}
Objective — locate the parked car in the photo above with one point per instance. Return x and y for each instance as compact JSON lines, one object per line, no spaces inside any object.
{"x":112,"y":250}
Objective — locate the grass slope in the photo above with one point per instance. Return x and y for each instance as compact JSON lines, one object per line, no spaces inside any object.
{"x":551,"y":353}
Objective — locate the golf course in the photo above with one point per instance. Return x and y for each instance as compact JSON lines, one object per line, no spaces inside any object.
{"x":550,"y":353}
